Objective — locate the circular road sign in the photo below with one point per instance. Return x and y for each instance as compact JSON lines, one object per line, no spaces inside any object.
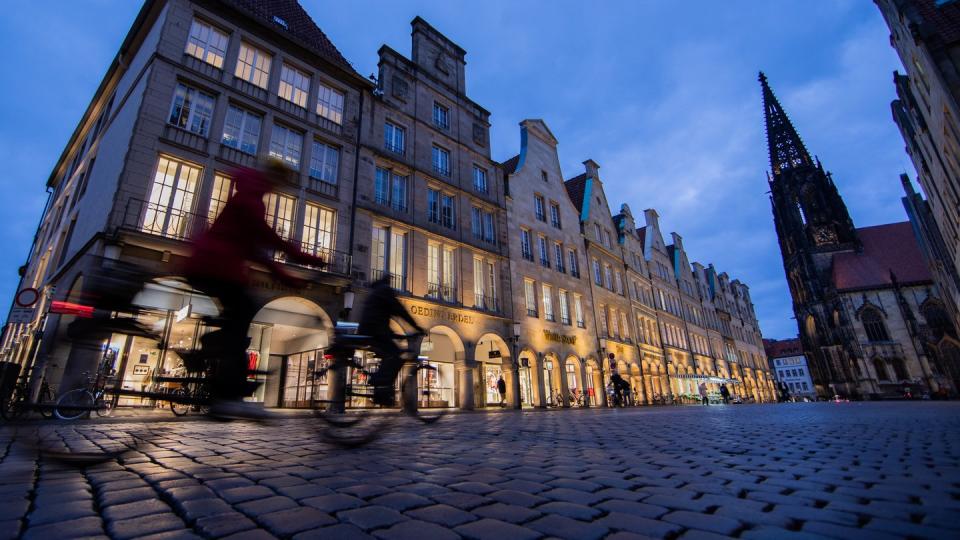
{"x":27,"y":297}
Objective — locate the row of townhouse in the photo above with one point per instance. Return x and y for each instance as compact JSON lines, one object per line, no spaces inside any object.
{"x":514,"y":272}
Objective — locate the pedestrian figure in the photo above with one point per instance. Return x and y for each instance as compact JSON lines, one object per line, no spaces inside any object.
{"x":502,"y":389}
{"x":703,"y":393}
{"x":725,"y":393}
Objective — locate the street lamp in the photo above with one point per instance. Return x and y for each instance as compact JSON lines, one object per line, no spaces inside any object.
{"x":348,"y":297}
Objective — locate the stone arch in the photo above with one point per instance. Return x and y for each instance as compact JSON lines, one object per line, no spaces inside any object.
{"x":491,"y":355}
{"x":528,"y":365}
{"x":550,"y":370}
{"x":444,"y":349}
{"x":594,"y":382}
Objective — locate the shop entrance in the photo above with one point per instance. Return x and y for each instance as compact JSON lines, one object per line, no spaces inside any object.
{"x":287,"y":339}
{"x":440,"y":348}
{"x":492,"y":355}
{"x":526,"y":384}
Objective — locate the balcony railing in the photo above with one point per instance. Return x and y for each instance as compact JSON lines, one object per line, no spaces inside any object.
{"x":396,"y":281}
{"x":447,"y":293}
{"x":486,"y":303}
{"x":323,"y":187}
{"x":442,"y":171}
{"x":398,"y":206}
{"x":395,"y":148}
{"x":564,"y":320}
{"x":575,"y":273}
{"x":163,"y":221}
{"x":531,"y":312}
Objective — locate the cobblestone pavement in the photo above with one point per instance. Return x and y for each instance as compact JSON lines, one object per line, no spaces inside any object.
{"x":873,"y":471}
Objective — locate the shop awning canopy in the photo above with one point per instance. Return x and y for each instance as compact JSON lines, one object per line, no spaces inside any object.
{"x":707,"y":378}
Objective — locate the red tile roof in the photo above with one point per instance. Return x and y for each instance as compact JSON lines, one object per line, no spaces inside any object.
{"x":886,"y":248}
{"x":299,"y":26}
{"x":778,"y":348}
{"x":575,"y":188}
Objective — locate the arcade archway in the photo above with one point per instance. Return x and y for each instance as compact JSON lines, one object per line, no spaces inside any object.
{"x":443,"y":349}
{"x":492,"y":357}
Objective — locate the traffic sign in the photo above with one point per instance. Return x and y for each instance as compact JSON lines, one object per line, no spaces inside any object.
{"x":27,"y":297}
{"x":21,"y":315}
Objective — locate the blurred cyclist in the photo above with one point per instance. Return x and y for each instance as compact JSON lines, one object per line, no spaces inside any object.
{"x":219,"y":265}
{"x":378,"y":309}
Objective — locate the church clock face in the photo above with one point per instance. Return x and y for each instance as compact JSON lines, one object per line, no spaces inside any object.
{"x":824,"y":235}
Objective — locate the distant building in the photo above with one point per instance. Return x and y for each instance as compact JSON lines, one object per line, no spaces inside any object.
{"x":790,"y":366}
{"x":863,"y":298}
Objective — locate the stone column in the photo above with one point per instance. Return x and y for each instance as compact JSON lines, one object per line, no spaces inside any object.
{"x":537,"y":371}
{"x":564,"y":387}
{"x":465,"y":390}
{"x":409,"y":387}
{"x":584,"y":382}
{"x":603,"y":387}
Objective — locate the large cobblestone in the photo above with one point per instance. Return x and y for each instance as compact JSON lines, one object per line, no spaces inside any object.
{"x":862,"y":470}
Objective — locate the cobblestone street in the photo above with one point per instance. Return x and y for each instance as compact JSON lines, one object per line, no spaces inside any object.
{"x":855,"y":470}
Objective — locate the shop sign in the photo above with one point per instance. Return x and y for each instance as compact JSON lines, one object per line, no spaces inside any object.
{"x":559,"y":338}
{"x":494,"y":354}
{"x":182,"y":313}
{"x":444,"y":314}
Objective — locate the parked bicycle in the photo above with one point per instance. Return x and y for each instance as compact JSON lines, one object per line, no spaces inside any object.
{"x":19,"y":404}
{"x":92,"y":396}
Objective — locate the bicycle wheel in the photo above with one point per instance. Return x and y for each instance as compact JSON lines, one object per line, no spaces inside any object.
{"x":427,"y":373}
{"x":106,"y":405}
{"x":179,"y":408}
{"x":74,"y":404}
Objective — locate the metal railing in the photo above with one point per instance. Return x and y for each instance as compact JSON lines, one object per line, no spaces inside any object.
{"x":442,"y":171}
{"x":447,"y":293}
{"x":395,"y":148}
{"x":396,"y":281}
{"x":486,"y":303}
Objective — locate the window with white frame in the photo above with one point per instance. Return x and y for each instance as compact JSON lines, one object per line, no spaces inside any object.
{"x":441,"y":272}
{"x":578,"y":310}
{"x":526,"y":246}
{"x":480,"y":180}
{"x":539,"y":209}
{"x":555,"y":215}
{"x":624,"y":325}
{"x":558,"y":257}
{"x":602,"y":320}
{"x":318,"y":230}
{"x":484,"y":285}
{"x":207,"y":43}
{"x":324,"y":162}
{"x":241,"y":130}
{"x":440,"y":208}
{"x":542,"y":249}
{"x":441,"y":161}
{"x":608,"y":277}
{"x":281,"y":213}
{"x":530,"y":295}
{"x":619,"y":282}
{"x":614,"y":322}
{"x":286,"y":145}
{"x":191,"y":109}
{"x":388,"y":256}
{"x":294,"y":85}
{"x":574,"y":263}
{"x":547,"y":302}
{"x":598,"y":232}
{"x":597,"y":273}
{"x":394,"y":138}
{"x":390,"y":189}
{"x":171,"y":198}
{"x":564,"y":306}
{"x":223,"y":189}
{"x":253,"y":65}
{"x":330,"y":104}
{"x":441,"y":116}
{"x":481,"y":224}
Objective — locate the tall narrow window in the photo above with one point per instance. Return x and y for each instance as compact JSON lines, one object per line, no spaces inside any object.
{"x":544,"y":254}
{"x":597,"y":273}
{"x":538,"y":207}
{"x":441,"y":116}
{"x":330,"y":104}
{"x":222,"y":190}
{"x":489,"y":234}
{"x":441,"y":161}
{"x":574,"y":263}
{"x":614,"y":323}
{"x":530,"y":295}
{"x":191,"y":109}
{"x":873,"y":324}
{"x":324,"y":162}
{"x":388,"y":256}
{"x":547,"y":302}
{"x":619,"y":282}
{"x":286,"y":145}
{"x":476,"y":222}
{"x":318,"y":230}
{"x":441,"y":282}
{"x":394,"y":138}
{"x":624,"y":325}
{"x":391,"y":189}
{"x":378,"y":252}
{"x":555,"y":215}
{"x":168,"y":206}
{"x":253,"y":65}
{"x":206,"y":43}
{"x":608,"y":277}
{"x":578,"y":310}
{"x":241,"y":130}
{"x":602,"y":319}
{"x":479,"y":290}
{"x":480,"y":180}
{"x":558,"y":256}
{"x":398,"y":259}
{"x":526,"y":247}
{"x":492,"y":287}
{"x":564,"y":306}
{"x":294,"y":85}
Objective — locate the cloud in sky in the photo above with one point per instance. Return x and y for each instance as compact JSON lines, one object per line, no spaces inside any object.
{"x":663,"y":95}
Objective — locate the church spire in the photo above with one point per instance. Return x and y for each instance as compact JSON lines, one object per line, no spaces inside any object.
{"x":786,"y":149}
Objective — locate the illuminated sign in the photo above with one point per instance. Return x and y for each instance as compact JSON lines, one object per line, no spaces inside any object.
{"x":444,"y":314}
{"x":559,"y":338}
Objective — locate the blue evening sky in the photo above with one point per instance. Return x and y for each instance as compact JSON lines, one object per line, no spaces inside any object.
{"x":663,"y":95}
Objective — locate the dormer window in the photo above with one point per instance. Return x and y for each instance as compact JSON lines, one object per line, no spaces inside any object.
{"x":281,"y":22}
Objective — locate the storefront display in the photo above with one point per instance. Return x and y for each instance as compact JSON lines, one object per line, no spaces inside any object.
{"x":491,"y":374}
